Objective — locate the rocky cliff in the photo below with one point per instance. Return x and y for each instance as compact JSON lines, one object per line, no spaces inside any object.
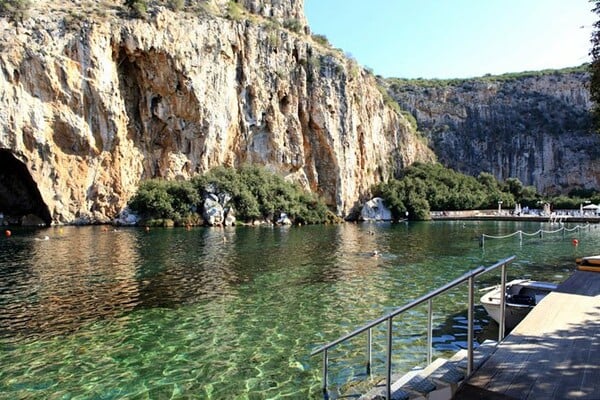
{"x":532,"y":126}
{"x":92,"y":101}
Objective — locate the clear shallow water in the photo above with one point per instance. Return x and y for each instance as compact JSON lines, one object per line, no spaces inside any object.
{"x":234,"y":313}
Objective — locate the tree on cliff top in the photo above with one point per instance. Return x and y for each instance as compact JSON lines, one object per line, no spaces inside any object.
{"x":595,"y":66}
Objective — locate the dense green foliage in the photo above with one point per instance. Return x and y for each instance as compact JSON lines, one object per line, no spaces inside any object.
{"x":166,"y":200}
{"x":255,"y":194}
{"x":595,"y":66}
{"x":422,"y":188}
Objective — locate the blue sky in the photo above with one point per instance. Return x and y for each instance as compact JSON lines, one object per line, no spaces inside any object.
{"x":456,"y":38}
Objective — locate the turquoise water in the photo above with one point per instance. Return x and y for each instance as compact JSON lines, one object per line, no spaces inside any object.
{"x":234,"y":313}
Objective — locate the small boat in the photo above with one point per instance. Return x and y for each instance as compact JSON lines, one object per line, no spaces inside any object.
{"x":521,"y":296}
{"x":589,"y":260}
{"x":590,"y":263}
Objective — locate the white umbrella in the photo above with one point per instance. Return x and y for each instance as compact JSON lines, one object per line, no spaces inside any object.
{"x":591,"y":207}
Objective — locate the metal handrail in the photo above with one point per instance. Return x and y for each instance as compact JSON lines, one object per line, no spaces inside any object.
{"x":469,"y":276}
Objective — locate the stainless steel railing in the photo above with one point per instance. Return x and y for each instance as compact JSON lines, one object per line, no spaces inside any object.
{"x":469,"y":276}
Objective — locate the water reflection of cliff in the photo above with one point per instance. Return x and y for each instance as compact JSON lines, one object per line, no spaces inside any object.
{"x":180,"y":266}
{"x":74,"y":277}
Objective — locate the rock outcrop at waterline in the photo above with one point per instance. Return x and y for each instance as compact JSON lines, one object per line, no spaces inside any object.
{"x":533,"y":126}
{"x":93,"y":101}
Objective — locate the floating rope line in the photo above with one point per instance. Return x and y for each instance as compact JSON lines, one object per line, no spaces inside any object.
{"x":539,"y":233}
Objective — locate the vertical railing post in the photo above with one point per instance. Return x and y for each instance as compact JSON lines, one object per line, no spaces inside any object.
{"x":325,"y":361}
{"x":502,"y":323}
{"x":429,"y":330}
{"x":388,"y":365}
{"x":470,"y":329}
{"x":520,"y":237}
{"x":369,"y":350}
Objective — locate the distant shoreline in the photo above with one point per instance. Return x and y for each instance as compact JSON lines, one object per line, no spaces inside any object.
{"x":488,"y":215}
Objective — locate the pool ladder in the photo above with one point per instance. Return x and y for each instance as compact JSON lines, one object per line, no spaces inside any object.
{"x":467,"y":277}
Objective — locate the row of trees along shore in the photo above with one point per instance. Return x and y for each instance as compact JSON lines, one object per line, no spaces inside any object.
{"x":257,"y":194}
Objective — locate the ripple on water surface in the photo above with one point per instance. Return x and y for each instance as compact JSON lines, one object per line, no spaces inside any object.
{"x":176,"y":314}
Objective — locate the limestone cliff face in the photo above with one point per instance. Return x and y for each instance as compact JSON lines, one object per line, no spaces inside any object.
{"x":95,"y":103}
{"x":534,"y":127}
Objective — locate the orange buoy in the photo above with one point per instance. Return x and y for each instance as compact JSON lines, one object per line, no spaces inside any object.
{"x":575,"y":242}
{"x":8,"y":233}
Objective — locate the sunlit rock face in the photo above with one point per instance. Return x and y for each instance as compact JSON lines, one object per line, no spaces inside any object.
{"x":536,"y":127}
{"x":93,"y":101}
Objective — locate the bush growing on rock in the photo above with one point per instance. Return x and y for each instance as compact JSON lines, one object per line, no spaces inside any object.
{"x":176,"y":5}
{"x":138,"y":7}
{"x":165,"y":200}
{"x":424,"y":187}
{"x":253,"y":192}
{"x":258,"y":194}
{"x":235,"y":11}
{"x":17,"y":10}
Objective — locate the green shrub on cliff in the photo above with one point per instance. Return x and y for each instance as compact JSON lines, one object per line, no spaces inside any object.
{"x":17,"y":10}
{"x":293,"y":25}
{"x":258,"y":194}
{"x":424,"y":187}
{"x":255,"y":194}
{"x":138,"y":7}
{"x":176,"y":5}
{"x":167,"y":200}
{"x":235,"y":11}
{"x":322,"y":40}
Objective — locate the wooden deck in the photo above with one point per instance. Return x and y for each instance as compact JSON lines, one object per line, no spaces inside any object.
{"x":554,"y":353}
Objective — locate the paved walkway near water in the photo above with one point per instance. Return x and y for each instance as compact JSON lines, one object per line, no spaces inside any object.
{"x":554,"y":353}
{"x":506,"y":216}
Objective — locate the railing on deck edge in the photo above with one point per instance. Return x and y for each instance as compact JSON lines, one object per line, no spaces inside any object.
{"x":469,"y":276}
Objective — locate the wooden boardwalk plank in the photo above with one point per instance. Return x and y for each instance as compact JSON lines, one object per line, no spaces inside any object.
{"x":554,"y":352}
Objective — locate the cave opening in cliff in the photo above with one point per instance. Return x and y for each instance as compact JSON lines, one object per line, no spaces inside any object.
{"x":20,"y":200}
